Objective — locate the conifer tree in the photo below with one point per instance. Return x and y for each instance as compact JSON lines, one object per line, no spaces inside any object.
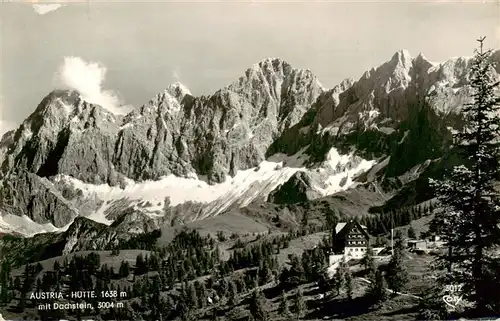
{"x":186,"y":313}
{"x":283,"y":308}
{"x":4,"y":281}
{"x":124,"y":269}
{"x":140,"y":264}
{"x":57,"y":266}
{"x":192,"y":297}
{"x":299,"y":304}
{"x":468,"y":208}
{"x":341,"y":277}
{"x":325,"y":283}
{"x":377,"y":290}
{"x":201,"y":289}
{"x":397,"y":274}
{"x":348,"y":284}
{"x":411,"y":233}
{"x":233,"y":292}
{"x":213,"y":315}
{"x":257,"y":306}
{"x":369,"y":262}
{"x":296,"y":274}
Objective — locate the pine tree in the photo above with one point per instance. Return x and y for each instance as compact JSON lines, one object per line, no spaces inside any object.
{"x":283,"y":308}
{"x":5,"y":271}
{"x":191,"y":296}
{"x":411,"y":233}
{"x":124,"y":269}
{"x":233,"y":292}
{"x":397,"y":275}
{"x":368,"y":262}
{"x":140,"y":265}
{"x":213,"y":315}
{"x":201,"y":289}
{"x":296,"y":274}
{"x":331,"y":218}
{"x":57,"y":266}
{"x":377,"y":290}
{"x":467,"y":215}
{"x":17,"y":283}
{"x":185,"y":312}
{"x":325,"y":284}
{"x":300,"y":304}
{"x":348,"y":284}
{"x":343,"y":277}
{"x":257,"y":306}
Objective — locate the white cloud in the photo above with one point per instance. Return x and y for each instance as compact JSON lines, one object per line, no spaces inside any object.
{"x":46,"y":8}
{"x":87,"y":78}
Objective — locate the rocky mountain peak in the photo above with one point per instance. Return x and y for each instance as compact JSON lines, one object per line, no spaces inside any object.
{"x":168,"y":101}
{"x":42,"y":140}
{"x":396,"y":73}
{"x":402,"y":58}
{"x":58,"y":104}
{"x":275,"y":64}
{"x":178,"y":91}
{"x":388,"y":92}
{"x":453,"y":70}
{"x":422,"y":60}
{"x":268,"y":73}
{"x":61,"y":107}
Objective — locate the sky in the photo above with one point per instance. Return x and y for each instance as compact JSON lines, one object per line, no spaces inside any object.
{"x":124,"y":53}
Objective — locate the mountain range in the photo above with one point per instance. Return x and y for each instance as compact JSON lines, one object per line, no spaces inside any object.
{"x":273,"y":138}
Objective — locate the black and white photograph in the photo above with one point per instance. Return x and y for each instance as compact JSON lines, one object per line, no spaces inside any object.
{"x":228,"y":160}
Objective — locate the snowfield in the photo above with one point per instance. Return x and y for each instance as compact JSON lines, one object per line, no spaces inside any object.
{"x":26,"y":226}
{"x":335,"y":174}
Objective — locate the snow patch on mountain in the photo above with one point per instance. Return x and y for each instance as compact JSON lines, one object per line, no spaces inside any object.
{"x":99,"y":215}
{"x":238,"y":191}
{"x":24,"y":225}
{"x":241,"y":189}
{"x":345,"y":169}
{"x":67,"y":108}
{"x":126,"y":126}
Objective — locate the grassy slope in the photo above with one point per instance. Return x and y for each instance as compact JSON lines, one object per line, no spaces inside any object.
{"x":420,"y":225}
{"x":228,"y":223}
{"x":298,"y":246}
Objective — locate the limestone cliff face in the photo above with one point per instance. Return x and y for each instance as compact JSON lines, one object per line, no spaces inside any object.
{"x":175,"y":133}
{"x":216,"y":135}
{"x":65,"y":134}
{"x":35,"y":196}
{"x":381,"y":100}
{"x":383,"y":96}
